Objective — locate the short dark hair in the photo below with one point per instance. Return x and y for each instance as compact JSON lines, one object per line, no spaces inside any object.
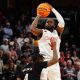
{"x":37,"y":57}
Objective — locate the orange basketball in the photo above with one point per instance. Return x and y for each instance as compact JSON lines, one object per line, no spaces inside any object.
{"x":43,"y":9}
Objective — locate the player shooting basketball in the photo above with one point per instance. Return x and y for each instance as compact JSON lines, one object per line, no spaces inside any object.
{"x":44,"y":36}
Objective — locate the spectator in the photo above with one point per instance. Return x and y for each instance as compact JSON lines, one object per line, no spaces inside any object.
{"x":24,"y":47}
{"x":5,"y":45}
{"x":12,"y":53}
{"x":69,"y":72}
{"x":74,"y":56}
{"x":17,"y":49}
{"x":9,"y":70}
{"x":68,"y":56}
{"x":20,"y":40}
{"x":8,"y":32}
{"x":28,"y":51}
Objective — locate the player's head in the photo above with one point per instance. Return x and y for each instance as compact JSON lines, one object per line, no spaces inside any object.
{"x":50,"y":24}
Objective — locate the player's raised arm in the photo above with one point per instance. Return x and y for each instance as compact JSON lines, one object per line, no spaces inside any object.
{"x":60,"y":19}
{"x":34,"y":28}
{"x":54,"y":60}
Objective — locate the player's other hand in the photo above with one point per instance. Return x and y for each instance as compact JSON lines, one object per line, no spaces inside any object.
{"x":52,"y":44}
{"x":38,"y":15}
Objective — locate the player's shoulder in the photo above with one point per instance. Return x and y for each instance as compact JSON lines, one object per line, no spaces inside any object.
{"x":55,"y":31}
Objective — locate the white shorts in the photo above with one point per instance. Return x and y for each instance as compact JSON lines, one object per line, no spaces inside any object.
{"x":52,"y":72}
{"x":44,"y":74}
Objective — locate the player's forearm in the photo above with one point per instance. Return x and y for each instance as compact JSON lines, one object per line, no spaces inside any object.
{"x":59,"y":18}
{"x":55,"y":56}
{"x":35,"y":23}
{"x":54,"y":60}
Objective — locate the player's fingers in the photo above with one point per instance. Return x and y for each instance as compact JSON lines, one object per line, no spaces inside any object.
{"x":49,"y":44}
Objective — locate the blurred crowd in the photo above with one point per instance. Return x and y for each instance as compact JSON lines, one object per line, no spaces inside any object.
{"x":17,"y":45}
{"x":70,"y":62}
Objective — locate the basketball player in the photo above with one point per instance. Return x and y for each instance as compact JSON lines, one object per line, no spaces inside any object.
{"x":33,"y":70}
{"x":44,"y":36}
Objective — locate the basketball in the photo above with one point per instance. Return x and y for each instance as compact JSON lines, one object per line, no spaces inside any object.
{"x":43,"y":9}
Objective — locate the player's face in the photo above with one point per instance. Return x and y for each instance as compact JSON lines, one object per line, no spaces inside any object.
{"x":49,"y":24}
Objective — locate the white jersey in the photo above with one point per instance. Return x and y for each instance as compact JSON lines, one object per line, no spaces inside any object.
{"x":44,"y":46}
{"x":45,"y":50}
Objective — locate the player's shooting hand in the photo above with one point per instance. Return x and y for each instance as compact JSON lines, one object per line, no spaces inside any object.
{"x":49,"y":5}
{"x":52,"y":44}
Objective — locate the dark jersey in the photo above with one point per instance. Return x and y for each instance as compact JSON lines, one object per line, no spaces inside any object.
{"x":34,"y":70}
{"x":22,"y":69}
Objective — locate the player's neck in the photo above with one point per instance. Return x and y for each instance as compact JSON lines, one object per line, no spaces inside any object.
{"x":51,"y":30}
